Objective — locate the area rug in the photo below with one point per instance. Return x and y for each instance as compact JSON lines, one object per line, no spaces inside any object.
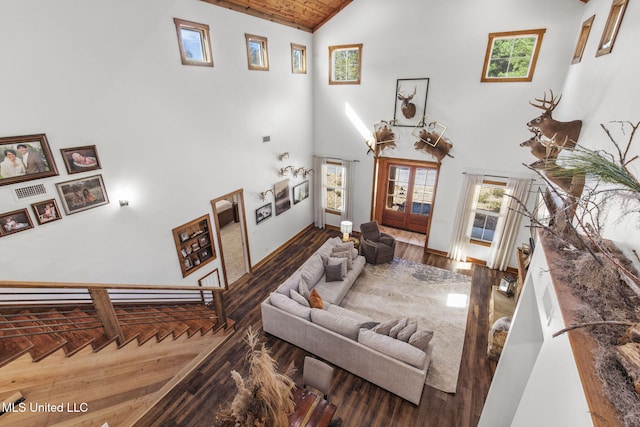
{"x":437,"y":299}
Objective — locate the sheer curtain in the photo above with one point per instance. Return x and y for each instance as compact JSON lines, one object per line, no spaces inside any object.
{"x":509,"y":223}
{"x":318,"y":196}
{"x":463,"y":220}
{"x":347,"y":211}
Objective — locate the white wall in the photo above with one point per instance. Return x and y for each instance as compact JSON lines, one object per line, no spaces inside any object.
{"x":445,"y":41}
{"x":170,"y":137}
{"x":605,"y":89}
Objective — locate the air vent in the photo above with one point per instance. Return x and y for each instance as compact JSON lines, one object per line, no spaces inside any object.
{"x":30,"y":191}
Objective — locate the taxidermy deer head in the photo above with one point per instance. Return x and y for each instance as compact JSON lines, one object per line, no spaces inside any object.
{"x":433,"y":144}
{"x":408,"y":108}
{"x":560,"y":134}
{"x":541,"y":150}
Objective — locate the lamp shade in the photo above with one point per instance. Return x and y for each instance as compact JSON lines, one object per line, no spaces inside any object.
{"x":346,"y":227}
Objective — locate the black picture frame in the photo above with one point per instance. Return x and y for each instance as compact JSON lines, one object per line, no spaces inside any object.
{"x":300,"y":192}
{"x":410,"y":101}
{"x":263,"y":213}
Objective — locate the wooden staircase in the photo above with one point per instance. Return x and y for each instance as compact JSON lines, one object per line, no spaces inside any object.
{"x":116,"y":358}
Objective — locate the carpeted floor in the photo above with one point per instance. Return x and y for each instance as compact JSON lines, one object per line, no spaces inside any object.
{"x":423,"y":293}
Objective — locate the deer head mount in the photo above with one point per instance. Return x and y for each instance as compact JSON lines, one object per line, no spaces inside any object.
{"x":408,"y":108}
{"x":552,"y":132}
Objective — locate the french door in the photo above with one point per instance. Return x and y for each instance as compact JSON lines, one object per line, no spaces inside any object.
{"x":405,"y":193}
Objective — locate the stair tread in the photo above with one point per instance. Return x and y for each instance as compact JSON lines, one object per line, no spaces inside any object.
{"x":144,"y":332}
{"x":76,"y":339}
{"x":11,"y":348}
{"x":43,"y":343}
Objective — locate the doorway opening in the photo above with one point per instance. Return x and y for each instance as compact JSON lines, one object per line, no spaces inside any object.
{"x":231,"y":232}
{"x":405,"y":193}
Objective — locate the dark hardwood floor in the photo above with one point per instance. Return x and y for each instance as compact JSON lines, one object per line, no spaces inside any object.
{"x":195,"y":401}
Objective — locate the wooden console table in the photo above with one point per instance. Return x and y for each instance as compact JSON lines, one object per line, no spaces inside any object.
{"x":311,"y":410}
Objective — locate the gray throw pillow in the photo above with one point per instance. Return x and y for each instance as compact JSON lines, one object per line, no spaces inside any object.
{"x":393,"y":333}
{"x":303,"y":288}
{"x":407,"y":331}
{"x":421,"y":339}
{"x":384,"y":327}
{"x":333,"y":272}
{"x":344,"y":246}
{"x":298,"y":298}
{"x":346,"y":256}
{"x":369,"y":325}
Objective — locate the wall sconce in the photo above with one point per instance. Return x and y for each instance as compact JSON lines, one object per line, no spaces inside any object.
{"x":302,"y":171}
{"x":283,"y":171}
{"x":283,"y":156}
{"x":263,"y":195}
{"x":124,"y":203}
{"x":345,"y":228}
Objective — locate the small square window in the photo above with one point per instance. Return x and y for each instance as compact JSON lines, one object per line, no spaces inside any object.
{"x":194,"y":42}
{"x":257,"y":53}
{"x":512,"y":56}
{"x":612,"y":26}
{"x":344,"y":64}
{"x":298,"y":59}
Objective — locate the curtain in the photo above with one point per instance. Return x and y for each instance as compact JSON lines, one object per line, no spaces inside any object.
{"x":347,"y":212}
{"x":509,"y":223}
{"x":463,"y":220}
{"x":318,"y":194}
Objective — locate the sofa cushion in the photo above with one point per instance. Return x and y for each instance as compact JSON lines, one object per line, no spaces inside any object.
{"x":346,"y":255}
{"x":312,"y":270}
{"x":407,"y":331}
{"x":343,"y":246}
{"x":393,"y":333}
{"x":341,"y":311}
{"x":392,"y":347}
{"x":339,"y":324}
{"x":285,"y":303}
{"x":421,"y":339}
{"x":298,"y":298}
{"x":384,"y":327}
{"x":290,"y":283}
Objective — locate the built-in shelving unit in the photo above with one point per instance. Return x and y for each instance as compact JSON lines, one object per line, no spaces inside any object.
{"x":194,"y":244}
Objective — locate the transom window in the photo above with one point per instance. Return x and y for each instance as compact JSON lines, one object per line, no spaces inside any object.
{"x":334,"y":186}
{"x":257,"y":53}
{"x":487,"y":212}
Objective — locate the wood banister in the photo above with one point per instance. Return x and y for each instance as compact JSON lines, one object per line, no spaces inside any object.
{"x":66,"y":285}
{"x":107,"y":314}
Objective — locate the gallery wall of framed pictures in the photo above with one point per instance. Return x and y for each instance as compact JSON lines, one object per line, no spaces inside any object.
{"x":29,"y":157}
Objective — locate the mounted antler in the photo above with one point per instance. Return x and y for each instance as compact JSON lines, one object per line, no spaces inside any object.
{"x":547,"y":105}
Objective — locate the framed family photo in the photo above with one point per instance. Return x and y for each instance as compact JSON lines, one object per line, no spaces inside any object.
{"x":23,"y":158}
{"x":81,"y":194}
{"x":14,"y":222}
{"x":80,"y":159}
{"x":46,"y":211}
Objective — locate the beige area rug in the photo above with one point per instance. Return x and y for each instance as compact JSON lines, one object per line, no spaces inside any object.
{"x":231,"y":237}
{"x":423,"y":293}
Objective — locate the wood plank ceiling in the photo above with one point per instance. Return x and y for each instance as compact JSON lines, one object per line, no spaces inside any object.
{"x":306,"y":15}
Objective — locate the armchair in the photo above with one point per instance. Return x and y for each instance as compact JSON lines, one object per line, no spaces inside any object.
{"x":377,"y":247}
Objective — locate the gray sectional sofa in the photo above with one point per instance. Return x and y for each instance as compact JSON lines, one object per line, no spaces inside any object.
{"x":340,"y":336}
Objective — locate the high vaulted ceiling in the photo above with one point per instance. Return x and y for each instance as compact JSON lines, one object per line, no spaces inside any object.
{"x":306,"y":15}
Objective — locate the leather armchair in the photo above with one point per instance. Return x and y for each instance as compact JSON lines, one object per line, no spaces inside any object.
{"x":377,"y":247}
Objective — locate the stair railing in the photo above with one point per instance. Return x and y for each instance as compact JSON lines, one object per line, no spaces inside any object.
{"x":99,"y":303}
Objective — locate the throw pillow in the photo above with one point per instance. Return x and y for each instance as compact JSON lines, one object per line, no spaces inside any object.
{"x":303,"y":288}
{"x":344,"y":246}
{"x":335,"y":269}
{"x":384,"y":327}
{"x":421,"y":339}
{"x":369,"y":325}
{"x":393,"y":333}
{"x":298,"y":298}
{"x":315,"y":300}
{"x":407,"y":331}
{"x":346,"y":256}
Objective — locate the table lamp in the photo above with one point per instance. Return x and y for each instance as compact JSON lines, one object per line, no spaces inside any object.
{"x":345,"y":228}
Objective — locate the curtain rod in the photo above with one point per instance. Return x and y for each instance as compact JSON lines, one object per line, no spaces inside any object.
{"x":336,"y":158}
{"x":497,"y":176}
